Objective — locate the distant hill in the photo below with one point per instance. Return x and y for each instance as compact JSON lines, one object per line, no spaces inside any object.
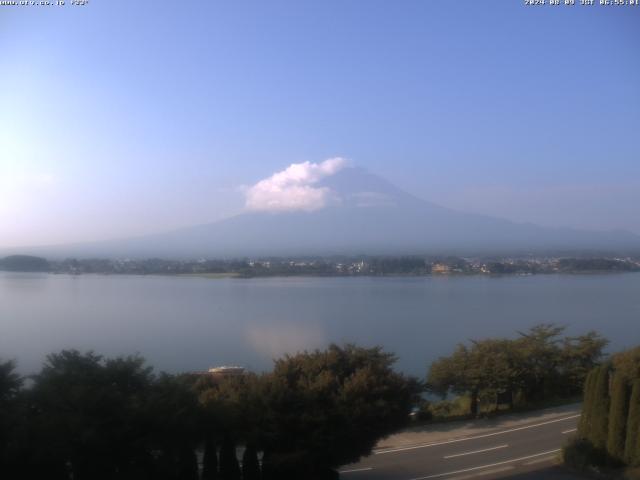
{"x":24,"y":263}
{"x":370,"y":216}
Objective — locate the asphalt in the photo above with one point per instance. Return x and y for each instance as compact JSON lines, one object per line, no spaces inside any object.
{"x":522,"y":450}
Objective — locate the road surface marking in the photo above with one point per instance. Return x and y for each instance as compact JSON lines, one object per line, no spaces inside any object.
{"x":476,"y":451}
{"x":366,"y":469}
{"x":570,"y":431}
{"x":481,"y":467}
{"x":486,"y":472}
{"x":401,"y":449}
{"x":540,"y":460}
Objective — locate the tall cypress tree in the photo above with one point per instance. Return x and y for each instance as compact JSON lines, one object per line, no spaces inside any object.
{"x":250,"y":464}
{"x":632,"y":446}
{"x":618,"y":414}
{"x":187,"y":464}
{"x":268,"y":470}
{"x":210,"y":460}
{"x":584,"y":427}
{"x":600,"y":410}
{"x":229,"y":466}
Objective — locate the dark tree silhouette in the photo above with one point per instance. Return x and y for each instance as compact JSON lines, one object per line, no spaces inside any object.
{"x":618,"y":415}
{"x":229,"y":467}
{"x":600,"y":409}
{"x":210,"y":459}
{"x":250,"y":464}
{"x":92,"y":418}
{"x":632,"y":444}
{"x":584,"y":426}
{"x":10,"y":412}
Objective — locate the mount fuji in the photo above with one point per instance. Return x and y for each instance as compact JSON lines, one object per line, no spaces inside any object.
{"x":366,"y":215}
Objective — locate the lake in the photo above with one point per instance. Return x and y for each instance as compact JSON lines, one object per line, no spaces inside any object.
{"x":191,"y":323}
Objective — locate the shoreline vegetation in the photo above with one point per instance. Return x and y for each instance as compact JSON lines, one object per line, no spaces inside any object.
{"x":312,"y":413}
{"x":84,"y":416}
{"x":364,"y":266}
{"x":540,"y":367}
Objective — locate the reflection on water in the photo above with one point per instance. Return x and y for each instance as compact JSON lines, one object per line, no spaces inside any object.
{"x":194,"y":323}
{"x":277,"y":339}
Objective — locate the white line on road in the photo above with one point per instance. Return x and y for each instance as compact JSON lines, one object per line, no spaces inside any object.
{"x":540,"y":460}
{"x":492,"y":471}
{"x":476,"y":451}
{"x":438,"y":475}
{"x":366,"y":469}
{"x":570,"y":431}
{"x":401,"y":449}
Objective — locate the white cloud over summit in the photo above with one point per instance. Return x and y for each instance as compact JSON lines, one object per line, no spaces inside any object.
{"x":294,"y":188}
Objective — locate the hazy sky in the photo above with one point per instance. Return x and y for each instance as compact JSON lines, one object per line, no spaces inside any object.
{"x":128,"y":117}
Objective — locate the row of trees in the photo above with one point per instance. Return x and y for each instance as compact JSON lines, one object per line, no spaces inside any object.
{"x":609,"y":429}
{"x":538,"y":365}
{"x":88,"y":417}
{"x":24,"y":263}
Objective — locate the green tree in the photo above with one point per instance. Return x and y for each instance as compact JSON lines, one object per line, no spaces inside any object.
{"x":234,"y":410}
{"x":497,"y":366}
{"x":73,"y":407}
{"x":233,"y":406}
{"x":600,"y":409}
{"x":458,"y":374}
{"x":579,"y":356}
{"x":328,"y":408}
{"x":489,"y":369}
{"x":627,"y":364}
{"x":632,"y":444}
{"x":618,"y":415}
{"x":96,"y":418}
{"x":537,"y":365}
{"x":172,"y":415}
{"x":584,"y":427}
{"x":542,"y":356}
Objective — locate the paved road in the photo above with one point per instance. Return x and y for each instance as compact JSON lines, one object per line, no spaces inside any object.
{"x":504,"y":453}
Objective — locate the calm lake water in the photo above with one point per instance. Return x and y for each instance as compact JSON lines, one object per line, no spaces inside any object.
{"x":181,"y":323}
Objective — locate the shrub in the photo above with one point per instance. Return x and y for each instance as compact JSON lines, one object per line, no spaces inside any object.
{"x":446,"y":409}
{"x":581,"y":454}
{"x":424,"y":413}
{"x":618,"y":414}
{"x":632,"y":447}
{"x":584,"y":427}
{"x":632,"y":474}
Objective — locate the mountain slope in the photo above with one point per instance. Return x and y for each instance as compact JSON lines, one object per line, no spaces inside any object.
{"x":369,"y":216}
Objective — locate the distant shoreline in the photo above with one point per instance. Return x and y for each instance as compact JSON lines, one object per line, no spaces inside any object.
{"x":361,"y":266}
{"x":237,"y":276}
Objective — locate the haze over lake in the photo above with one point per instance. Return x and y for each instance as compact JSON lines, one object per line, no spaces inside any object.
{"x":191,"y":323}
